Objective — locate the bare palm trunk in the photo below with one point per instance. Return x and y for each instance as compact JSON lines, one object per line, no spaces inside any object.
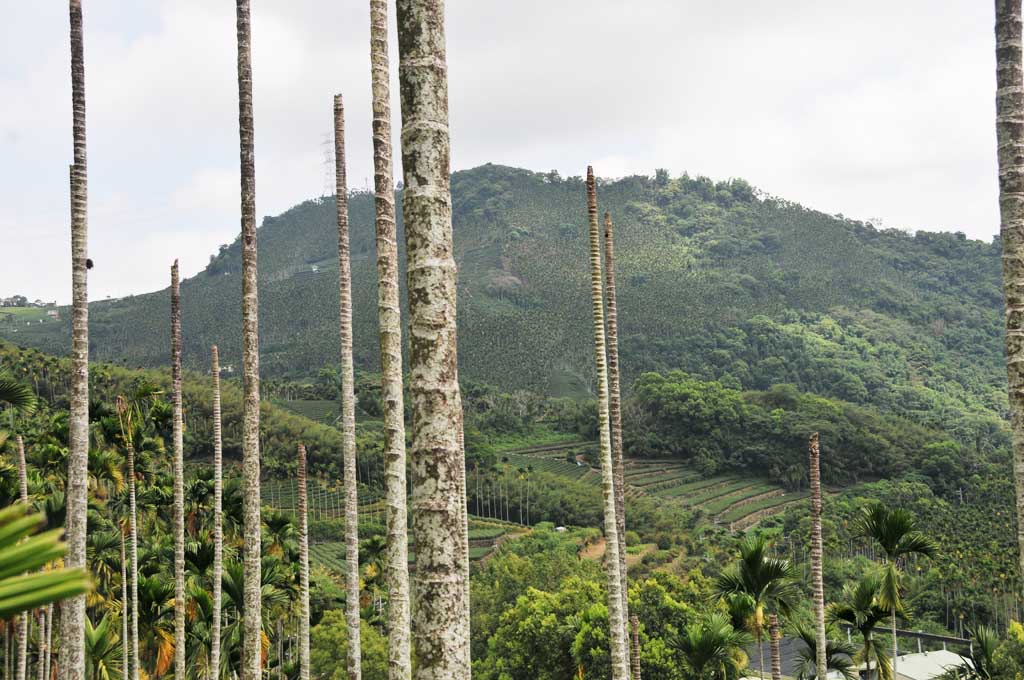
{"x":775,"y":636}
{"x":133,"y":557}
{"x":348,"y":400}
{"x":49,"y":641}
{"x":252,"y":607}
{"x":41,"y":647}
{"x":634,"y":657}
{"x":125,"y":608}
{"x":620,"y":668}
{"x":441,"y":609}
{"x":895,"y":645}
{"x":218,"y":517}
{"x":389,"y":319}
{"x":1010,"y":144}
{"x":817,"y":554}
{"x":73,"y":620}
{"x":179,"y":477}
{"x":21,"y":669}
{"x":615,"y":407}
{"x":303,"y":571}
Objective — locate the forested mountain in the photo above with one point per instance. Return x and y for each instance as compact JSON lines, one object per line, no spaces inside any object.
{"x":714,"y":279}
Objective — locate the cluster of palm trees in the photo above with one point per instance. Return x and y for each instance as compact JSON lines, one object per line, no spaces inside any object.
{"x":760,"y":588}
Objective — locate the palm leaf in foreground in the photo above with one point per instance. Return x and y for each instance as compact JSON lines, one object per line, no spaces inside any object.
{"x":21,"y":552}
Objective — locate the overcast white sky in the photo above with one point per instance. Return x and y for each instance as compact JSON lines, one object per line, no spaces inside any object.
{"x":875,"y":109}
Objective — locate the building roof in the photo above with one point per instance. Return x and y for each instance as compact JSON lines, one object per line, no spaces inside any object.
{"x":927,"y":665}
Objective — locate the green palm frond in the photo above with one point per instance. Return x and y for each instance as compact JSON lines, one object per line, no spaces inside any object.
{"x":21,"y":552}
{"x":17,"y":395}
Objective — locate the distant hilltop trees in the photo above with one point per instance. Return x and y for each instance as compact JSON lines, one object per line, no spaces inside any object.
{"x":22,"y":301}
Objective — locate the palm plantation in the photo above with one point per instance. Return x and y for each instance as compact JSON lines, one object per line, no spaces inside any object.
{"x":204,"y":553}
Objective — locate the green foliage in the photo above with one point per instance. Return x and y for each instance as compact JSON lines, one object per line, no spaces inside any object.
{"x":328,"y":647}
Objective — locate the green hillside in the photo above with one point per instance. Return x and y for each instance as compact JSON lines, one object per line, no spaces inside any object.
{"x":714,"y":279}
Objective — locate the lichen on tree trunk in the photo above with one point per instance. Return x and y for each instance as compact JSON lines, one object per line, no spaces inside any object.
{"x":348,"y":399}
{"x":177,"y":427}
{"x":1010,"y":148}
{"x":618,"y":656}
{"x":72,"y":660}
{"x":440,"y":611}
{"x":252,"y":598}
{"x":389,"y":319}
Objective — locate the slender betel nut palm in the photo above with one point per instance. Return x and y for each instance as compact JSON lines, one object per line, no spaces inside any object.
{"x":179,"y":476}
{"x":1010,"y":147}
{"x":440,"y":621}
{"x":620,"y":668}
{"x":615,"y":407}
{"x":218,"y":518}
{"x":252,"y":598}
{"x":72,"y":647}
{"x":303,"y":569}
{"x":389,"y":319}
{"x":348,"y":399}
{"x":817,"y":554}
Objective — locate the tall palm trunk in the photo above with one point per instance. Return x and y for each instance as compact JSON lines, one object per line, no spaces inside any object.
{"x":348,"y":400}
{"x":441,"y":608}
{"x":620,"y":669}
{"x":895,"y":643}
{"x":252,"y":603}
{"x":73,"y":619}
{"x":177,"y":427}
{"x":389,"y":319}
{"x":125,"y":607}
{"x":634,"y":656}
{"x":303,"y":571}
{"x":817,"y":579}
{"x":133,"y":557}
{"x":218,"y":517}
{"x":615,"y":407}
{"x":41,"y":647}
{"x":49,"y":640}
{"x":1010,"y":144}
{"x":775,"y":634}
{"x":21,"y":668}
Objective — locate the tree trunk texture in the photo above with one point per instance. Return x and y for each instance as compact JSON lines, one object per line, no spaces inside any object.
{"x":252,"y":604}
{"x":125,"y":608}
{"x":620,"y":668}
{"x":73,"y":619}
{"x":303,"y":571}
{"x":177,"y":434}
{"x":1010,"y":146}
{"x":441,"y":601}
{"x":817,"y":555}
{"x":348,"y":400}
{"x":133,"y":558}
{"x":634,"y":657}
{"x":218,"y":517}
{"x":21,"y":669}
{"x":776,"y":635}
{"x":615,"y":407}
{"x":389,"y":319}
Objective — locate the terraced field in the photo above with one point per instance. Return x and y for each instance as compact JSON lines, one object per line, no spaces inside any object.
{"x":739,"y":502}
{"x":484,"y":538}
{"x":321,"y":410}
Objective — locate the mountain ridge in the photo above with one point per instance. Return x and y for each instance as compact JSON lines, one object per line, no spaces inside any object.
{"x":699,"y":264}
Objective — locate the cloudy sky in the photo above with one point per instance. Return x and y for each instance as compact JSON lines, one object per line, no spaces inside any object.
{"x":875,"y":109}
